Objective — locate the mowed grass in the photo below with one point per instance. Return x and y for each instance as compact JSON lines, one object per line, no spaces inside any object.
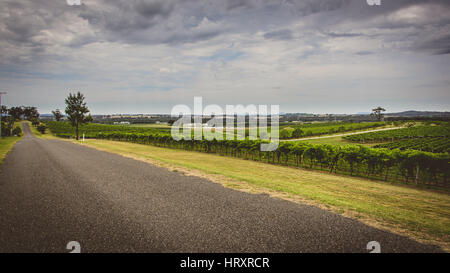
{"x":7,"y":143}
{"x":418,"y":213}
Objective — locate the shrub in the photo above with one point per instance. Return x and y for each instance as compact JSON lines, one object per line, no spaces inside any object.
{"x":7,"y":125}
{"x":297,"y":133}
{"x":284,"y":134}
{"x":41,"y":128}
{"x":35,"y":122}
{"x":17,"y":131}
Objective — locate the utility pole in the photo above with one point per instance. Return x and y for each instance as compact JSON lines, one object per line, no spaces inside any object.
{"x":1,"y":114}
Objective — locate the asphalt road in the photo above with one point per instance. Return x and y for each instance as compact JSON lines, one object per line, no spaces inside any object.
{"x":53,"y":192}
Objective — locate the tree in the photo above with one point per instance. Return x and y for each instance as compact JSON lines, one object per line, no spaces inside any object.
{"x":7,"y":125}
{"x":17,"y":131}
{"x":30,"y":112}
{"x":297,"y":133}
{"x":284,"y":134}
{"x":3,"y":110}
{"x":35,"y":122}
{"x":77,"y":111}
{"x":5,"y":130}
{"x":57,"y":114}
{"x":16,"y":112}
{"x":377,"y":112}
{"x":41,"y":128}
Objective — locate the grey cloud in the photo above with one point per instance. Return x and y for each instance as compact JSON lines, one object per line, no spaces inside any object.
{"x":284,"y":34}
{"x":236,"y":4}
{"x":438,"y":46}
{"x":312,"y":6}
{"x":25,"y":23}
{"x":362,"y":53}
{"x":343,"y":35}
{"x":126,"y":16}
{"x":44,"y":42}
{"x":173,"y":22}
{"x":20,"y":22}
{"x":154,"y":8}
{"x":191,"y":37}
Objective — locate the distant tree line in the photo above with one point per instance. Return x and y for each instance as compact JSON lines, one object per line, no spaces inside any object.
{"x":20,"y":112}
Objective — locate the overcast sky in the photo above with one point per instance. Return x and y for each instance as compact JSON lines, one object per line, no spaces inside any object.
{"x":321,"y":56}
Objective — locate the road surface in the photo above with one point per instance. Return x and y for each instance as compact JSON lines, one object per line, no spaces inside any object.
{"x":53,"y":192}
{"x":341,"y":135}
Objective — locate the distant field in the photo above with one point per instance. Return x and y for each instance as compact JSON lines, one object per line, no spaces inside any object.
{"x":405,"y":133}
{"x":309,"y":129}
{"x":335,"y":141}
{"x":64,"y":129}
{"x":149,"y":125}
{"x":430,"y":138}
{"x":429,"y":144}
{"x":324,"y":128}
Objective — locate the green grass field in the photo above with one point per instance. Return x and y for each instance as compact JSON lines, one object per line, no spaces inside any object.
{"x":327,"y":128}
{"x":336,"y":141}
{"x":7,"y":143}
{"x":64,"y":129}
{"x":150,"y":125}
{"x":418,"y":213}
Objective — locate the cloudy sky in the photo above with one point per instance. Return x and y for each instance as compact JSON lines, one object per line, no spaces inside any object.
{"x":137,"y":56}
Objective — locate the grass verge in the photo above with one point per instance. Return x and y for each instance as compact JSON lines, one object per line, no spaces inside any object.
{"x":6,"y":144}
{"x":418,"y":213}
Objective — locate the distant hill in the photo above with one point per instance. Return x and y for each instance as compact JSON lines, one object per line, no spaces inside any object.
{"x":413,"y":113}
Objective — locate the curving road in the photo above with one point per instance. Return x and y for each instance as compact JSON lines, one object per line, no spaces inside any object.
{"x":53,"y":192}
